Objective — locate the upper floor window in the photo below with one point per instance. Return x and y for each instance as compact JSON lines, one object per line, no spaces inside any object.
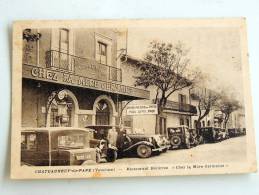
{"x":64,"y":40}
{"x":182,"y":99}
{"x":103,"y":49}
{"x":102,"y":53}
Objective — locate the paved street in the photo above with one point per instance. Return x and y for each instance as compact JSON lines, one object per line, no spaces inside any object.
{"x":230,"y":150}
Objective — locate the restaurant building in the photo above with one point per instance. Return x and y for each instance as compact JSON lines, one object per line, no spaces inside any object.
{"x":178,"y":110}
{"x":74,"y":77}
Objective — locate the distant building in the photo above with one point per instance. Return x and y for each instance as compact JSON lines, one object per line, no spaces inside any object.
{"x":215,"y":118}
{"x":237,"y":119}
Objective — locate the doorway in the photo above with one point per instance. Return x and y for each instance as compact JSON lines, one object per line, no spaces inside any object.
{"x":102,"y":113}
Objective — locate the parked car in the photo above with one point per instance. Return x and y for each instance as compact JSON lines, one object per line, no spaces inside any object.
{"x":57,"y":146}
{"x":162,"y":141}
{"x":234,"y":132}
{"x":223,"y":134}
{"x":179,"y":137}
{"x":213,"y":134}
{"x":106,"y":148}
{"x":142,"y":145}
{"x":195,"y":137}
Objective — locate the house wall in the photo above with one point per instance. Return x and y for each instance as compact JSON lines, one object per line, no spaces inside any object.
{"x":35,"y":97}
{"x":148,"y":122}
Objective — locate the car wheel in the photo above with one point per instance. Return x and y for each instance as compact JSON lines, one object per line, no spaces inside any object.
{"x":144,"y":151}
{"x":175,"y":141}
{"x":111,"y":155}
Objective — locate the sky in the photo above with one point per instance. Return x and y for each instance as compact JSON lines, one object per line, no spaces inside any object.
{"x":216,"y":51}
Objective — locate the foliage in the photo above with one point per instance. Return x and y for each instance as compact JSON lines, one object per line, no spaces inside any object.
{"x":227,"y":106}
{"x":207,"y":100}
{"x":28,"y":35}
{"x":166,"y":68}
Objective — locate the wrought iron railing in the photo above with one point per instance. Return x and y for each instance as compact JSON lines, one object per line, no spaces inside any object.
{"x":180,"y":107}
{"x":81,"y":66}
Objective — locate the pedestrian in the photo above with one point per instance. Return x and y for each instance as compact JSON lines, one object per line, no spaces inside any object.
{"x":112,"y":136}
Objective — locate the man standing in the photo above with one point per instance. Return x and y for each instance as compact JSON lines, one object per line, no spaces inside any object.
{"x":112,"y":136}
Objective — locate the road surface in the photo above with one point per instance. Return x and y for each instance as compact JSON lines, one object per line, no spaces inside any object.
{"x":230,"y":150}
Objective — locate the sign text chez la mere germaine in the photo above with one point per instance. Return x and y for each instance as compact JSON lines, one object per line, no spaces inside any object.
{"x":54,"y":76}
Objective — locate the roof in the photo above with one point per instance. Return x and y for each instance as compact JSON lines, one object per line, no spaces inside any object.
{"x":137,"y":62}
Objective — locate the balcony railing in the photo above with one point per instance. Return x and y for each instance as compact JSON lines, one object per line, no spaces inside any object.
{"x":81,"y":66}
{"x":180,"y":107}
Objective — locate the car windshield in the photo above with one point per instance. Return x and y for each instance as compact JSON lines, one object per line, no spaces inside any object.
{"x":71,"y":141}
{"x":175,"y":130}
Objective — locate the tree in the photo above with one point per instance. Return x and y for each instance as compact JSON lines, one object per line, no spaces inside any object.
{"x":207,"y":100}
{"x":165,"y":67}
{"x":227,"y":106}
{"x":28,"y":35}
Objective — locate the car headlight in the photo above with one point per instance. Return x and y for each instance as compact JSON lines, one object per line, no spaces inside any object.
{"x":150,"y":139}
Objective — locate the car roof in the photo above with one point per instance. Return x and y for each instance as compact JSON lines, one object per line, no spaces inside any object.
{"x":51,"y":129}
{"x":178,"y":126}
{"x":94,"y":126}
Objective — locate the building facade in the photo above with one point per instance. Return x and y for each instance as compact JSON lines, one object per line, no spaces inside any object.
{"x":215,"y":117}
{"x":178,"y":110}
{"x":72,"y":77}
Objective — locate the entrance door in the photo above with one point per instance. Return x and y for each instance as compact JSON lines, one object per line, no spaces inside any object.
{"x":61,"y":114}
{"x":102,"y":113}
{"x":162,"y":126}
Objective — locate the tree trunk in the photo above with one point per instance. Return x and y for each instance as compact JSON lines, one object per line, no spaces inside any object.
{"x":226,"y":120}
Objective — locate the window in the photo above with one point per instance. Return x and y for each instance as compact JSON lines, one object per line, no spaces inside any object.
{"x":28,"y":141}
{"x":195,"y":123}
{"x":102,"y":53}
{"x":181,"y":121}
{"x":64,"y":49}
{"x":128,"y":123}
{"x":187,"y":122}
{"x":64,"y":40}
{"x":182,"y":99}
{"x":103,"y":49}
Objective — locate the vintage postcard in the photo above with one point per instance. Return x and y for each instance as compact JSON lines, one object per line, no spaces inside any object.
{"x":123,"y":98}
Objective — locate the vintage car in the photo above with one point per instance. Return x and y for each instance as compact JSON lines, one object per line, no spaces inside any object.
{"x":162,"y":141}
{"x":56,"y":146}
{"x":179,"y":137}
{"x":213,"y":134}
{"x":125,"y":144}
{"x":195,"y":137}
{"x":223,"y":134}
{"x":105,"y":142}
{"x":234,"y":132}
{"x":142,"y":145}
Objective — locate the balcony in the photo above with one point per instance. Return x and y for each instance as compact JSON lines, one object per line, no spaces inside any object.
{"x":81,"y":66}
{"x":180,"y":107}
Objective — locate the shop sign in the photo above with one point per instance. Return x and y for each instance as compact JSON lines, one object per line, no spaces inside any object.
{"x":142,"y":109}
{"x":49,"y":75}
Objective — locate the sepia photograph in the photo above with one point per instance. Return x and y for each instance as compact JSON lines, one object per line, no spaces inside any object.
{"x":119,"y":98}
